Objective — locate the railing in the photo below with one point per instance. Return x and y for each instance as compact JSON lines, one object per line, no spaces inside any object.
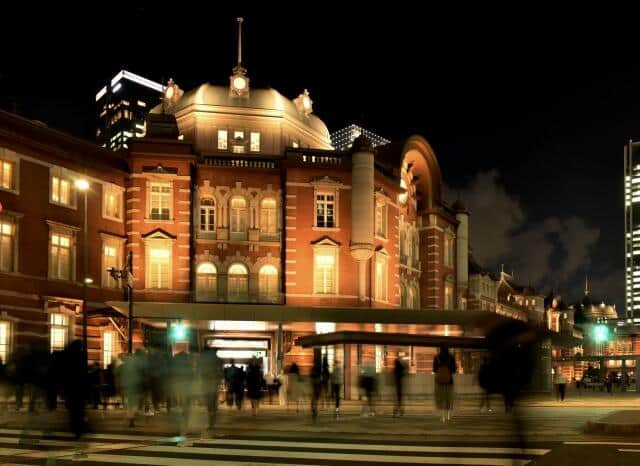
{"x":240,"y":162}
{"x":321,"y":158}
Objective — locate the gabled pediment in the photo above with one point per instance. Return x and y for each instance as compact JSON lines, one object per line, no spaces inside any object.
{"x":158,"y":233}
{"x":325,"y":241}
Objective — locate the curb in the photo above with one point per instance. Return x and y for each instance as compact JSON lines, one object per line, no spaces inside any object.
{"x":598,"y":427}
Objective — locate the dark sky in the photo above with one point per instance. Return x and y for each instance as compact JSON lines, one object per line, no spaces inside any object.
{"x":528,"y":110}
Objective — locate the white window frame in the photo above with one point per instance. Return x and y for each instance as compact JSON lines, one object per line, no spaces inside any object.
{"x":109,"y":347}
{"x":206,"y":211}
{"x":158,"y":242}
{"x":12,"y":221}
{"x":233,"y":280}
{"x":163,"y":197}
{"x":254,"y":141}
{"x":57,"y":229}
{"x":268,"y":217}
{"x":58,"y":176}
{"x":325,"y":202}
{"x":223,"y":139}
{"x":116,"y":243}
{"x":59,"y":324}
{"x":381,"y":219}
{"x":268,"y":283}
{"x":118,"y":192}
{"x":6,"y":339}
{"x":448,"y":249}
{"x":381,"y":277}
{"x":449,"y":298}
{"x":326,"y":248}
{"x":238,"y":216}
{"x":10,"y":158}
{"x":208,"y":292}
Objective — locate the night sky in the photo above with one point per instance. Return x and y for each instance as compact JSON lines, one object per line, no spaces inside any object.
{"x":528,"y":110}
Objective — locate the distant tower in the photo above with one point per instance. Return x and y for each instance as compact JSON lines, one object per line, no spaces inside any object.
{"x":238,"y":81}
{"x":632,"y":226}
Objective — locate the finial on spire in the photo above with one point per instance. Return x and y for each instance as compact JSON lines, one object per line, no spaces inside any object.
{"x":586,"y":285}
{"x":240,"y":20}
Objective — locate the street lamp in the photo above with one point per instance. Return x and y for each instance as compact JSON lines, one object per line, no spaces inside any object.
{"x":82,"y":185}
{"x":126,"y":274}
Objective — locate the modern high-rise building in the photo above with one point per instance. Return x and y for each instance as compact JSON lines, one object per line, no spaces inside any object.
{"x":343,"y":139}
{"x":632,"y":226}
{"x":122,"y":106}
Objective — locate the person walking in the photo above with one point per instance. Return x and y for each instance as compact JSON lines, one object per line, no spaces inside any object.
{"x":399,"y":373}
{"x":336,"y":384}
{"x":444,"y":366}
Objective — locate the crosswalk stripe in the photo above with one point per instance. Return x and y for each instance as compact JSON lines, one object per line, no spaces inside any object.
{"x":613,"y":443}
{"x":312,"y":455}
{"x":370,"y":447}
{"x":131,"y":438}
{"x":629,"y":450}
{"x":158,"y":461}
{"x":12,"y":451}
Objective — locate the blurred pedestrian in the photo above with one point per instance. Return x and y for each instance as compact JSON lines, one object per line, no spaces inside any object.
{"x":399,"y":373}
{"x":369,"y":385}
{"x":255,"y":382}
{"x":485,"y":380}
{"x":210,"y":369}
{"x":316,"y":387}
{"x":444,"y":366}
{"x":336,"y":384}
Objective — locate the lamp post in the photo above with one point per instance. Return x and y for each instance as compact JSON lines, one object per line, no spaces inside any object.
{"x":127,"y":274}
{"x":83,"y":186}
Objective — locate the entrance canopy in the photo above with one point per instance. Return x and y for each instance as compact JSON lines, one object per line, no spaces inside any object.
{"x":397,"y":339}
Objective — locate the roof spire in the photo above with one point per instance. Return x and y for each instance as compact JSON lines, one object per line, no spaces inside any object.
{"x":240,"y":20}
{"x":586,"y":285}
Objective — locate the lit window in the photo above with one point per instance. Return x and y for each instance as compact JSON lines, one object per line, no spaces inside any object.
{"x":59,"y":331}
{"x":448,"y":250}
{"x":325,"y":261}
{"x":381,"y":277}
{"x":238,"y":215}
{"x":206,"y":282}
{"x":238,"y":283}
{"x":141,"y":103}
{"x":159,"y":267}
{"x":268,"y":217}
{"x":222,"y":139}
{"x":325,"y":210}
{"x":5,"y":341}
{"x":7,"y":245}
{"x":160,"y":201}
{"x":238,"y":135}
{"x":112,"y":202}
{"x":295,"y":144}
{"x":255,"y":142}
{"x":381,"y":219}
{"x":110,"y":259}
{"x":109,"y":347}
{"x":448,"y":296}
{"x":60,"y":257}
{"x":7,"y":174}
{"x":239,"y":149}
{"x":268,"y":283}
{"x":207,"y":214}
{"x":61,"y":190}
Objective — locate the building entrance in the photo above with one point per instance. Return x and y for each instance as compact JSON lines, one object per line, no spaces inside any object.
{"x":241,"y":350}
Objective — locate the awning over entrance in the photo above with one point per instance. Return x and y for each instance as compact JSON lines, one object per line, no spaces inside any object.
{"x":466,"y":319}
{"x":396,"y":339}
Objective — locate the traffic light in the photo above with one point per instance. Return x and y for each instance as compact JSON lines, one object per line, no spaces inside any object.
{"x":600,"y":333}
{"x":178,"y":332}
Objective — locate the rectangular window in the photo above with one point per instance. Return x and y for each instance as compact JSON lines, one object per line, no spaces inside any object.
{"x":61,"y":190}
{"x":448,"y":251}
{"x":160,"y":201}
{"x":222,"y":139}
{"x":59,"y":331}
{"x":238,"y":135}
{"x":110,"y":259}
{"x":159,"y":267}
{"x":325,"y":210}
{"x":268,"y":217}
{"x":5,"y":340}
{"x":60,"y":257}
{"x":381,"y":279}
{"x":238,"y":215}
{"x":7,"y":174}
{"x":239,"y":149}
{"x":7,"y":245}
{"x":112,"y":202}
{"x":448,"y":296}
{"x":325,"y":273}
{"x":255,"y":142}
{"x":381,"y":220}
{"x":109,"y":347}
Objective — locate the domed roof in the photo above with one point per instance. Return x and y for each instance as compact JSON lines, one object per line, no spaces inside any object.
{"x":269,"y":100}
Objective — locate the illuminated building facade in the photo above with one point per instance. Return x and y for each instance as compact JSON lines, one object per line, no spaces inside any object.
{"x":632,"y":226}
{"x":122,"y":106}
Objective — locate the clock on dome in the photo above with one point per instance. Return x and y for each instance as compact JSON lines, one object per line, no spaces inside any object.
{"x":239,"y":82}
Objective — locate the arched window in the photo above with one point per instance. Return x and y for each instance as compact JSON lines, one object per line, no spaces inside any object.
{"x":238,"y":283}
{"x":206,"y":282}
{"x":207,"y":214}
{"x":268,"y":285}
{"x":268,"y":217}
{"x":412,"y":297}
{"x":403,"y":296}
{"x":415,"y":248}
{"x":403,"y":245}
{"x":238,"y":213}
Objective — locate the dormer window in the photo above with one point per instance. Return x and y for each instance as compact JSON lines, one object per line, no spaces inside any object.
{"x":238,"y":135}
